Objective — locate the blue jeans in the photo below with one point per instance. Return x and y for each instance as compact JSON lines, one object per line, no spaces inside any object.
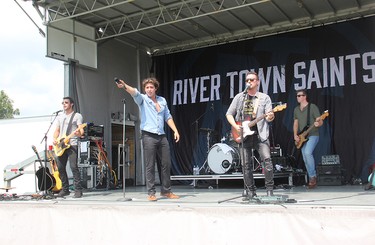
{"x":156,"y":145}
{"x":307,"y":154}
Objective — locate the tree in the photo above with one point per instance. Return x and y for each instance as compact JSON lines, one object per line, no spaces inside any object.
{"x":6,"y":107}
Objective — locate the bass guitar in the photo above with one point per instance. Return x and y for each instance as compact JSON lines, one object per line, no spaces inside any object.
{"x":247,"y":125}
{"x":55,"y":171}
{"x":303,"y":134}
{"x":63,"y":142}
{"x":45,"y":180}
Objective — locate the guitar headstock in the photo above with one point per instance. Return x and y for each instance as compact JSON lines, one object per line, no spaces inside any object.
{"x":34,"y":149}
{"x":279,"y":107}
{"x":324,"y":115}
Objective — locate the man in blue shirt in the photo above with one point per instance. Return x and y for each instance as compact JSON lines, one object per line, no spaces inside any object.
{"x":154,"y":113}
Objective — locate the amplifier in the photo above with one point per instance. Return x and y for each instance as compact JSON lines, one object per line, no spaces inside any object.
{"x":330,"y":160}
{"x":332,"y":179}
{"x":276,"y":151}
{"x":329,"y":169}
{"x":95,"y":131}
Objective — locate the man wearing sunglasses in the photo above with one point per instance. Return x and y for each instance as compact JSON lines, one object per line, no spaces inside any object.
{"x":248,"y":106}
{"x":306,"y":114}
{"x":68,"y":124}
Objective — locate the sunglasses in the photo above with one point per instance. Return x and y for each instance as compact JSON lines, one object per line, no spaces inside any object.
{"x":251,"y":79}
{"x":299,"y":95}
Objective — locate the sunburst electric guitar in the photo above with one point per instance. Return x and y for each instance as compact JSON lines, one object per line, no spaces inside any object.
{"x":303,"y":134}
{"x":63,"y":142}
{"x":247,"y":125}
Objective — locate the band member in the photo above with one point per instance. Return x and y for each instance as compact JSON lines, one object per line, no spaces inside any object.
{"x":67,"y":123}
{"x":247,"y":106}
{"x":304,"y":114}
{"x":154,"y":113}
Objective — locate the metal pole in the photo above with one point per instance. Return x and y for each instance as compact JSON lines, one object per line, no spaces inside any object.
{"x":123,"y":155}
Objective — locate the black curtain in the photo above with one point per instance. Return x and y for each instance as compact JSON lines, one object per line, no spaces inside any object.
{"x":335,"y":63}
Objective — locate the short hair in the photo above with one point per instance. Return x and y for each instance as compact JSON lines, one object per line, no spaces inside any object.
{"x":151,"y":80}
{"x":252,"y":73}
{"x":70,"y":99}
{"x":304,"y":91}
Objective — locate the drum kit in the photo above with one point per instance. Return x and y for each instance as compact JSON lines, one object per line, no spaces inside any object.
{"x":224,"y":157}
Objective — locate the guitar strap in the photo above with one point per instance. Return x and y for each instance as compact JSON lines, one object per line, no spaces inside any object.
{"x":256,"y":102}
{"x":70,"y":124}
{"x":308,"y":115}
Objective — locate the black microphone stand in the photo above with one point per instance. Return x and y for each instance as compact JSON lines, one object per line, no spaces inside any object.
{"x":124,"y":199}
{"x":45,"y":137}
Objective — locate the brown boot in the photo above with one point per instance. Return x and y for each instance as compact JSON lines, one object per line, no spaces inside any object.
{"x":312,"y":183}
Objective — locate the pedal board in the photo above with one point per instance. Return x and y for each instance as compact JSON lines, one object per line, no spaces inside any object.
{"x":276,"y":199}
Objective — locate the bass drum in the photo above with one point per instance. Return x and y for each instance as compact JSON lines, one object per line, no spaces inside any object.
{"x":222,"y":158}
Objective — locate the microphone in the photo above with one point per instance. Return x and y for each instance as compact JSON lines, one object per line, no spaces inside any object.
{"x":57,"y":112}
{"x":116,"y":80}
{"x":248,"y":86}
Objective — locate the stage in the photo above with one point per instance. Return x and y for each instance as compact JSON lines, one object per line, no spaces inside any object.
{"x":208,"y":214}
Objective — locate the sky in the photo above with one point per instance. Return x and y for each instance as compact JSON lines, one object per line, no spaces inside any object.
{"x":33,"y":81}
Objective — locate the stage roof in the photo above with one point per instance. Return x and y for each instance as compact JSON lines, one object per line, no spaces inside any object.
{"x":168,"y":26}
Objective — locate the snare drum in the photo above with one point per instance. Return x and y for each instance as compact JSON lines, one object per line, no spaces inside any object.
{"x":222,"y":158}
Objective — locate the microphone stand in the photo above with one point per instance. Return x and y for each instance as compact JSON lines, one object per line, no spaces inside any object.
{"x":45,"y":137}
{"x":124,"y":199}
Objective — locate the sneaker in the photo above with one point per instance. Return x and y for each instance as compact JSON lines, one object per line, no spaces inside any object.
{"x":152,"y":198}
{"x":77,"y":194}
{"x":63,"y":193}
{"x":169,"y":195}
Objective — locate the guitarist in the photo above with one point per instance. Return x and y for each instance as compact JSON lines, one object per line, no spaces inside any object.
{"x":247,"y":106}
{"x":68,"y":123}
{"x":304,"y":115}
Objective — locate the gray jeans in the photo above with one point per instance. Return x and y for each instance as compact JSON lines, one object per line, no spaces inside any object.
{"x":156,"y":145}
{"x":263,"y":148}
{"x":71,"y":155}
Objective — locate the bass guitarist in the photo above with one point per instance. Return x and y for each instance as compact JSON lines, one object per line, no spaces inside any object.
{"x":67,"y":123}
{"x":247,"y":106}
{"x":306,"y":114}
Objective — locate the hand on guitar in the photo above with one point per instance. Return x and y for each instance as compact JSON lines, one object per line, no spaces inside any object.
{"x":270,"y":116}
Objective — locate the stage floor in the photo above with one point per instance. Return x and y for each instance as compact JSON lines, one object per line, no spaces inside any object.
{"x":207,"y":195}
{"x":203,"y":215}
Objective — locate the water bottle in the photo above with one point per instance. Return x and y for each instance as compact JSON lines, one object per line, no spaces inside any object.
{"x":195,"y":170}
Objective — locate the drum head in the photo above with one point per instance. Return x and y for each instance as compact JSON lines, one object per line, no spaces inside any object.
{"x":220,"y":158}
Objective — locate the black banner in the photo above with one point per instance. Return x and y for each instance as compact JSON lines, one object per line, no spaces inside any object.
{"x":335,"y":63}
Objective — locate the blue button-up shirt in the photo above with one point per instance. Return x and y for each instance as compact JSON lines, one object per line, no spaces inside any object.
{"x":151,"y":120}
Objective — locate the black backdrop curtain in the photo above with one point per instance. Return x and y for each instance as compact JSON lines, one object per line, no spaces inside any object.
{"x":335,"y":63}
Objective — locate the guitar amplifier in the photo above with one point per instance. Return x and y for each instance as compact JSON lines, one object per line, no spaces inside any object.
{"x":329,"y":180}
{"x":329,"y":169}
{"x":330,"y":160}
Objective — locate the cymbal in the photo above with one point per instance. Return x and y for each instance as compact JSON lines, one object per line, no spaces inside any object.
{"x":206,"y":129}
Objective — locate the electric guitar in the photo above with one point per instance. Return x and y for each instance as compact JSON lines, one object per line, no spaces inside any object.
{"x":63,"y":142}
{"x":247,"y":125}
{"x":303,"y":134}
{"x":55,"y":171}
{"x":45,"y":180}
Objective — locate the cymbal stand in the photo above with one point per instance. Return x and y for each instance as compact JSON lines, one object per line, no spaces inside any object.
{"x":195,"y":123}
{"x":255,"y":159}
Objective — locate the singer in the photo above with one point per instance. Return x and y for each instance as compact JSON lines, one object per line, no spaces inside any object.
{"x":154,"y":112}
{"x":247,"y":106}
{"x":69,"y":123}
